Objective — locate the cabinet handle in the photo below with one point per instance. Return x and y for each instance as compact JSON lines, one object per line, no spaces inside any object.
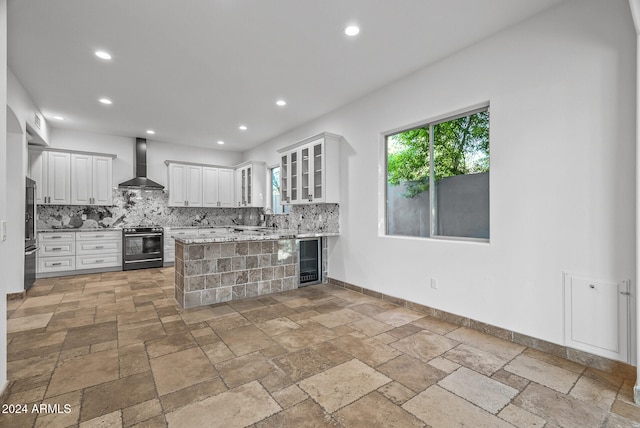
{"x":99,"y":247}
{"x":56,"y":249}
{"x":55,"y":237}
{"x":310,"y":198}
{"x":99,"y":236}
{"x":56,"y":264}
{"x":100,"y":261}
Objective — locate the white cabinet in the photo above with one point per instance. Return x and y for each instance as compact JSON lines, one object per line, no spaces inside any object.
{"x":310,"y":170}
{"x":217,"y":187}
{"x":71,"y":178}
{"x":169,"y":242}
{"x":56,"y":253}
{"x":67,"y":252}
{"x":185,"y":185}
{"x":91,"y":179}
{"x":597,"y":316}
{"x":250,"y":184}
{"x":51,"y":172}
{"x":96,"y":250}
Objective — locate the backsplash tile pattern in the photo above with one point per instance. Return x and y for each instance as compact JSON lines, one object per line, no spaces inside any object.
{"x":147,"y":208}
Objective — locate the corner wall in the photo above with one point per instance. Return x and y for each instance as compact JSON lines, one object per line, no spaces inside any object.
{"x":3,"y":191}
{"x":561,"y":87}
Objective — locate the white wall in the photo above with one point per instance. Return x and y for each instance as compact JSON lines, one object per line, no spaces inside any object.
{"x":19,"y":100}
{"x":562,"y":93}
{"x":3,"y":191}
{"x":124,"y":149}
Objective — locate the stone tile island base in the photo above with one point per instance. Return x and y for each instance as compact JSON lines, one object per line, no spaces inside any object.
{"x":208,"y":273}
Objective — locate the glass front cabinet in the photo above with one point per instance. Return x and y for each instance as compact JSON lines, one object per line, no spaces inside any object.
{"x":251,"y":184}
{"x":310,"y":170}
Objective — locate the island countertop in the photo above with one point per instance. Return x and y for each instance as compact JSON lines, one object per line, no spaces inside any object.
{"x":252,"y":235}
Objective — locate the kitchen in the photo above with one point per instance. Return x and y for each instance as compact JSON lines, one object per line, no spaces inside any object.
{"x":516,"y":283}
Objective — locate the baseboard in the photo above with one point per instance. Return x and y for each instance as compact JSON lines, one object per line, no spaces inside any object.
{"x":6,"y":391}
{"x":590,"y":360}
{"x":16,"y":296}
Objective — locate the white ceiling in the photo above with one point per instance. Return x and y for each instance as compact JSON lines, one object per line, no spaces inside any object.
{"x":194,"y":70}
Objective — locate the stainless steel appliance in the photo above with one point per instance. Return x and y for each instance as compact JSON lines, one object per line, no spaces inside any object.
{"x":310,"y":261}
{"x":30,"y":247}
{"x":142,"y":247}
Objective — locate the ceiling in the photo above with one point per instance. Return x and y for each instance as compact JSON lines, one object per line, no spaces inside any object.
{"x":194,"y":70}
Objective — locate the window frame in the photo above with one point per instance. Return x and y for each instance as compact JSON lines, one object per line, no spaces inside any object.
{"x":285,"y":209}
{"x":383,"y":176}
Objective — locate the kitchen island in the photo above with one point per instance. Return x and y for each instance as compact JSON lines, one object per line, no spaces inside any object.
{"x":236,"y":264}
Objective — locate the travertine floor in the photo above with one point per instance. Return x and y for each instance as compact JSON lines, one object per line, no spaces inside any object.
{"x":117,"y":350}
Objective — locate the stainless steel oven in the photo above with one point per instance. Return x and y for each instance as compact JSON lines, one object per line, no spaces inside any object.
{"x":142,"y":247}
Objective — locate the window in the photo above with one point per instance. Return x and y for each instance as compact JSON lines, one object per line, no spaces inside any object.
{"x":276,"y":206}
{"x":438,"y":178}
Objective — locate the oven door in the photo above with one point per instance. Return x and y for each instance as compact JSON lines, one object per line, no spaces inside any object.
{"x":142,"y":250}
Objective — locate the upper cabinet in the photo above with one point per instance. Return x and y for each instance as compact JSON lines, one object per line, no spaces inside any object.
{"x":52,"y":174}
{"x":217,"y":187}
{"x":196,"y":185}
{"x":310,"y":170}
{"x":71,"y":178}
{"x":251,"y":184}
{"x":185,"y":185}
{"x":91,"y":179}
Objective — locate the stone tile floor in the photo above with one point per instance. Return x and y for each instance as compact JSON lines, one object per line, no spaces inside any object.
{"x":116,"y":350}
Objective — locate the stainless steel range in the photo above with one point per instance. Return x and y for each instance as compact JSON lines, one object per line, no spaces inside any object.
{"x":142,"y":247}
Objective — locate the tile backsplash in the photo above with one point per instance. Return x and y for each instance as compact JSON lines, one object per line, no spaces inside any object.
{"x":150,"y":207}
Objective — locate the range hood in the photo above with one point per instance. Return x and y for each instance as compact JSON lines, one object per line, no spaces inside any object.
{"x":141,"y":181}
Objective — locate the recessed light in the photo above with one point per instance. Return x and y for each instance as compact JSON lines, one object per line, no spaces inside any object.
{"x":242,"y":127}
{"x":352,"y":30}
{"x":220,"y":142}
{"x":281,"y":103}
{"x":105,"y":101}
{"x":103,"y":55}
{"x":151,"y":131}
{"x":58,"y":117}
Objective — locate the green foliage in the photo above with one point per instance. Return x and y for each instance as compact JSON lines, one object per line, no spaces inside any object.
{"x":460,"y":146}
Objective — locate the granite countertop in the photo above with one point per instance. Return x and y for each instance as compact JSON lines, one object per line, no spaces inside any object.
{"x":241,"y":233}
{"x":81,"y":229}
{"x":252,"y":235}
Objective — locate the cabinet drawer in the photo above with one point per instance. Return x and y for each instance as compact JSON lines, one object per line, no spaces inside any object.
{"x":98,"y":261}
{"x":92,"y":236}
{"x":98,"y":247}
{"x":56,"y":264}
{"x":56,"y":236}
{"x":214,"y":231}
{"x":63,"y":248}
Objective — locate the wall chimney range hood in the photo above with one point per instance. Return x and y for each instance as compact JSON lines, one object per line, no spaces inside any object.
{"x":141,"y":181}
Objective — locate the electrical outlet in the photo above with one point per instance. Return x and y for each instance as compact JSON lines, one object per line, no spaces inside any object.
{"x":84,"y":217}
{"x":3,"y":230}
{"x":434,"y":283}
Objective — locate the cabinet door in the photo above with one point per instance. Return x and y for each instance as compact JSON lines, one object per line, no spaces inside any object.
{"x":102,"y":178}
{"x":249,"y":186}
{"x":317,"y":170}
{"x":294,"y":176}
{"x":194,"y":186}
{"x":59,"y":178}
{"x":177,"y":184}
{"x":38,"y":173}
{"x":305,"y":178}
{"x":81,"y":179}
{"x":285,"y":192}
{"x":225,"y":187}
{"x":210,"y":185}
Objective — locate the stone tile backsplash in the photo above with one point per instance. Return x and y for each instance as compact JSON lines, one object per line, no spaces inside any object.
{"x":150,"y":207}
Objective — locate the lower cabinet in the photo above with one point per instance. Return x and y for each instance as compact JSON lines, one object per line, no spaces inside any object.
{"x":96,"y":250}
{"x":170,"y":243}
{"x":67,"y":252}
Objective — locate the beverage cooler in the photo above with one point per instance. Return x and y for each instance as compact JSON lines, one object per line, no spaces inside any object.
{"x":310,"y":261}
